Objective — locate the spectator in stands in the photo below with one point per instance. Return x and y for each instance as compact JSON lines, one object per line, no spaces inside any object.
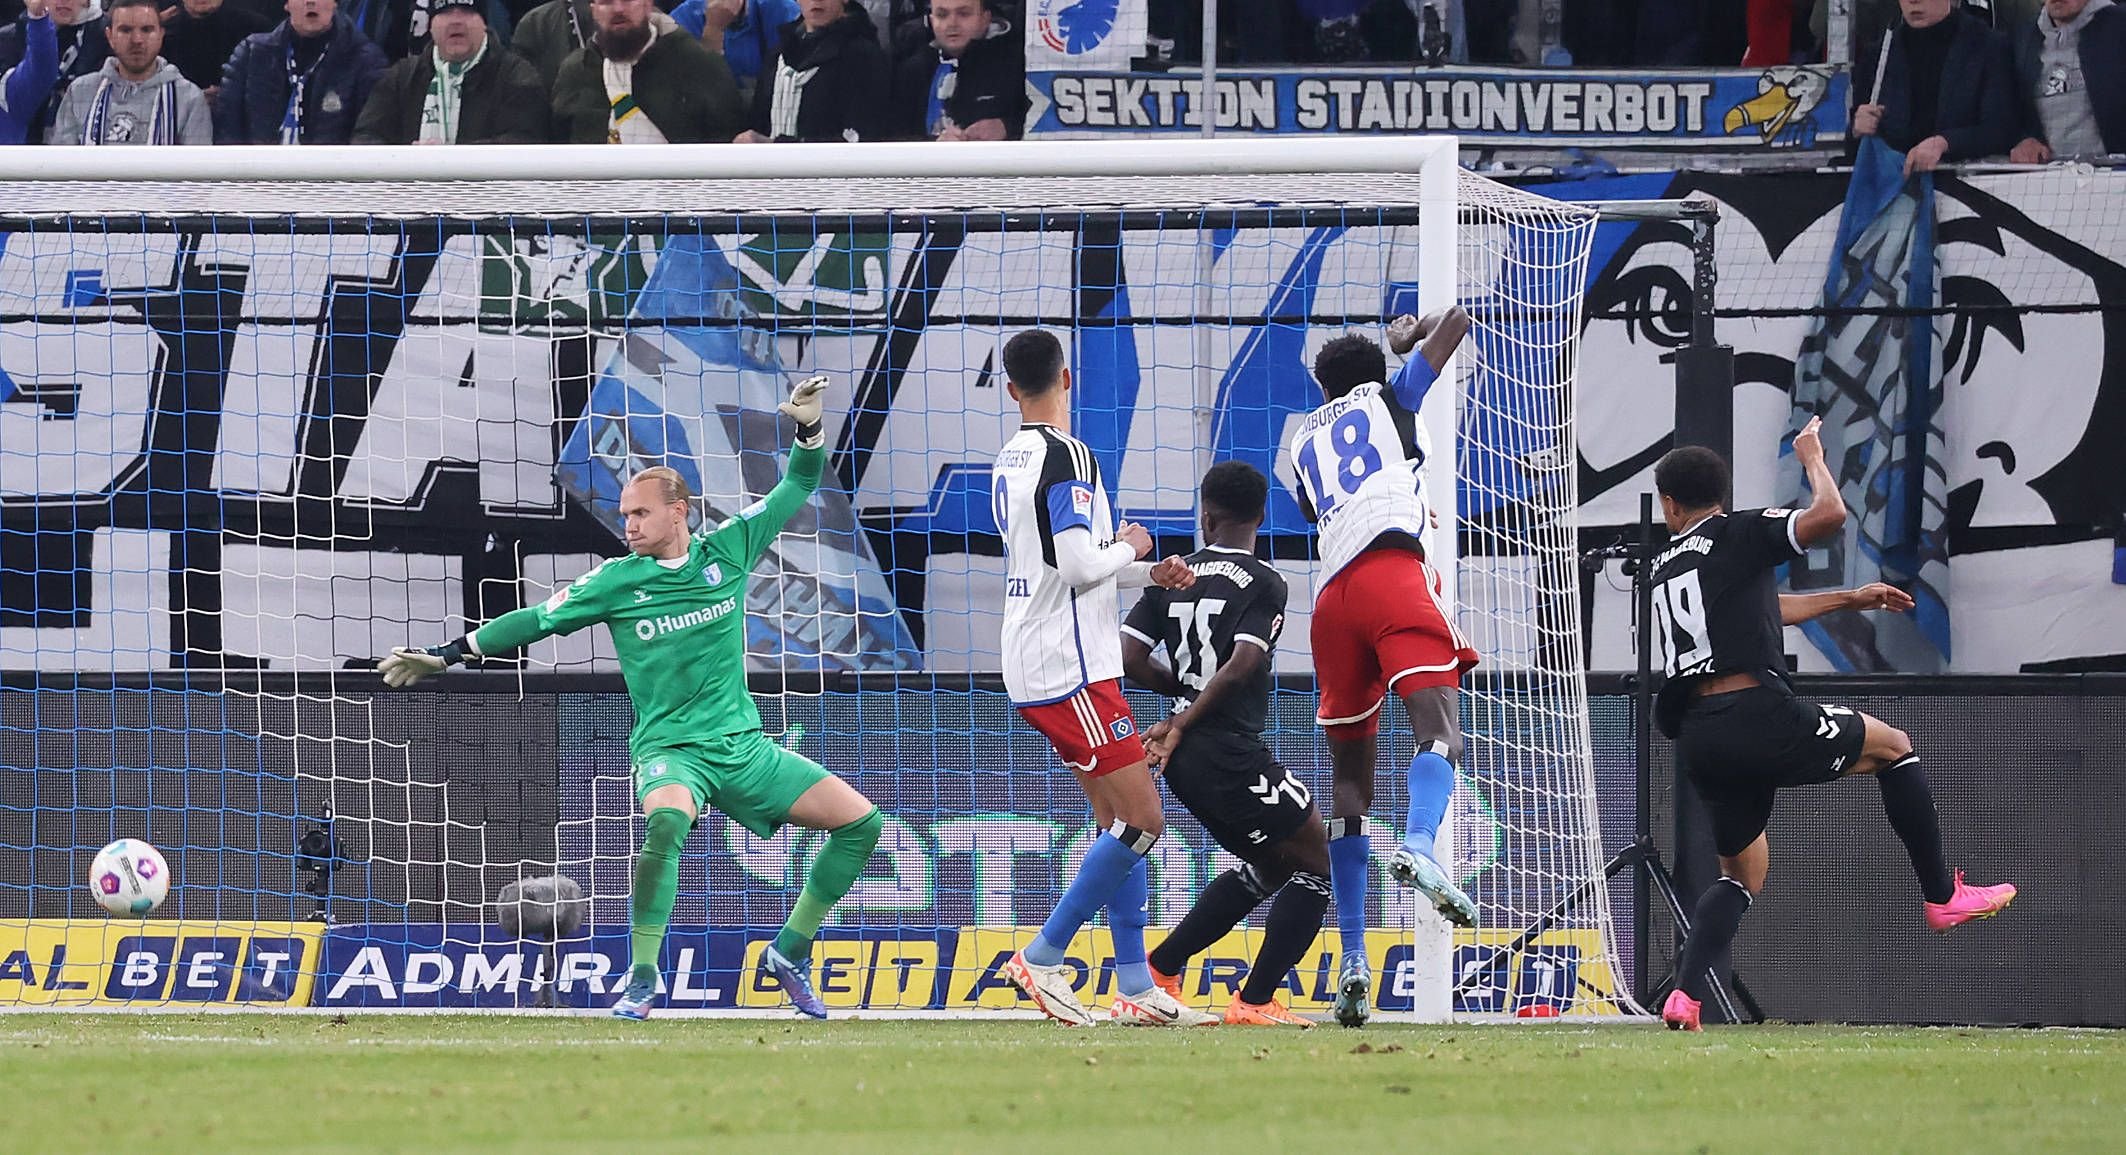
{"x":198,"y":36}
{"x":401,"y":27}
{"x":137,"y":97}
{"x":466,"y":89}
{"x":2070,"y":70}
{"x":745,"y":31}
{"x":643,"y":81}
{"x":1943,"y":88}
{"x":968,"y":83}
{"x":27,"y":85}
{"x":827,"y":80}
{"x":301,"y":83}
{"x":551,"y":33}
{"x":81,"y":50}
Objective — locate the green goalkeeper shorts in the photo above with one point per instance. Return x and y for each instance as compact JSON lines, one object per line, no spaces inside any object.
{"x":752,"y":780}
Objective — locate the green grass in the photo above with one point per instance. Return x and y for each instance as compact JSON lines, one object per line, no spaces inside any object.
{"x":397,"y":1083}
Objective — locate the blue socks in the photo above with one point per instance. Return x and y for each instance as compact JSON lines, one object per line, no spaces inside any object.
{"x":1349,"y":854}
{"x":1108,"y":866}
{"x":1126,"y":917}
{"x":1431,"y":785}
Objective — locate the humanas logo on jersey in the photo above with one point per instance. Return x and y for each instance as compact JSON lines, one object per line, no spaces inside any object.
{"x":649,"y":628}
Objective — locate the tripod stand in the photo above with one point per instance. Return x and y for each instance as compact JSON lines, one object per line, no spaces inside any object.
{"x":1643,"y":856}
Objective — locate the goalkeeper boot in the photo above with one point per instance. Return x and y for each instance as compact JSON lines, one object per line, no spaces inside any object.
{"x":795,"y":979}
{"x":1680,"y":1012}
{"x":1049,"y":989}
{"x":1354,"y":991}
{"x":1419,"y":872}
{"x":1967,"y":904}
{"x":636,"y":1000}
{"x":1156,"y":1008}
{"x":1240,"y":1013}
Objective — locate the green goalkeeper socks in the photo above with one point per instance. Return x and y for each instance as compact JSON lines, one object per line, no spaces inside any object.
{"x":834,"y":871}
{"x":656,"y":882}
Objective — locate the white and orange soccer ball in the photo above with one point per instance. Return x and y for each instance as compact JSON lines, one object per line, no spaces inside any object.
{"x":129,"y":878}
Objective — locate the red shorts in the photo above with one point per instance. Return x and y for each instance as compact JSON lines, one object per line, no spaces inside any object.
{"x":1381,"y":625}
{"x":1092,"y":730}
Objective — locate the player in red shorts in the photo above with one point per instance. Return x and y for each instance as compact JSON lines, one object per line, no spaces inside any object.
{"x":1381,"y":624}
{"x":1063,"y":668}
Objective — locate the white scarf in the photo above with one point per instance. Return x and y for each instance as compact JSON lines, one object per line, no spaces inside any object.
{"x":446,"y":95}
{"x":626,"y":123}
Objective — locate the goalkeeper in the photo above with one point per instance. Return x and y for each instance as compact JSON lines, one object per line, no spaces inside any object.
{"x":675,"y":609}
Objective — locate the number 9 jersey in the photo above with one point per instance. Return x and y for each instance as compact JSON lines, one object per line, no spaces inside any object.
{"x":1360,"y":461}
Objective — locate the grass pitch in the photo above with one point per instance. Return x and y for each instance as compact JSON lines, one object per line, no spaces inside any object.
{"x":448,"y":1083}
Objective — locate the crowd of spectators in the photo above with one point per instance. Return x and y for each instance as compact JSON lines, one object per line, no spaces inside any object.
{"x":1946,"y":85}
{"x":1940,"y":80}
{"x":507,"y":71}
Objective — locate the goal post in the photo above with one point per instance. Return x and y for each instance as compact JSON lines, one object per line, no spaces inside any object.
{"x":269,"y":412}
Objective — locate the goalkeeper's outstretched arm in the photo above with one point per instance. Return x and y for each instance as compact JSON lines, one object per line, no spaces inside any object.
{"x":564,"y":613}
{"x":587,"y":601}
{"x":756,"y":525}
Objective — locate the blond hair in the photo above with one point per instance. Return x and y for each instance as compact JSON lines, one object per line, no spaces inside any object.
{"x":675,"y":486}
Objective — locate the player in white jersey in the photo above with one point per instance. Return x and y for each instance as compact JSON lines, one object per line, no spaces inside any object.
{"x":1381,"y":624}
{"x":1062,"y":646}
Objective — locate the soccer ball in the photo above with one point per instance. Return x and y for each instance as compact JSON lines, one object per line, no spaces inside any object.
{"x":129,"y":877}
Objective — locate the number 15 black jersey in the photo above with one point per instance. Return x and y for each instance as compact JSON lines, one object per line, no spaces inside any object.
{"x":1716,"y":599}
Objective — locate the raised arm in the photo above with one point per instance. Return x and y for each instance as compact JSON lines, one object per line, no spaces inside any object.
{"x":755,"y":527}
{"x":29,"y":83}
{"x":1825,"y":516}
{"x":1795,"y":609}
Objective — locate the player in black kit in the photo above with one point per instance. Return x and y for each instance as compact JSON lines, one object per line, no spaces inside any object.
{"x":1740,"y":732}
{"x":1219,"y":634}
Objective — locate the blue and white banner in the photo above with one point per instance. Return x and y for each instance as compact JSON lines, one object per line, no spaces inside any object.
{"x":1789,"y":107}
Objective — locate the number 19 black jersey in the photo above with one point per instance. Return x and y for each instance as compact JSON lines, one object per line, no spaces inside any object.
{"x":1716,"y":599}
{"x":1237,"y":600}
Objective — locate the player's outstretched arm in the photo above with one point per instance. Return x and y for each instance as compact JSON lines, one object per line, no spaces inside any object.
{"x":1441,"y":333}
{"x":1825,"y":516}
{"x":512,"y":631}
{"x":583,"y":602}
{"x":760,"y":522}
{"x":1795,"y":609}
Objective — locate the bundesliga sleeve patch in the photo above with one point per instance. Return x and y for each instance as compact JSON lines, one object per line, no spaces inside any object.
{"x":1070,"y":504}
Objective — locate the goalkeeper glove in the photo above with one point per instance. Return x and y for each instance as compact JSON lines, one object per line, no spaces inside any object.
{"x":403,"y":667}
{"x":806,"y":406}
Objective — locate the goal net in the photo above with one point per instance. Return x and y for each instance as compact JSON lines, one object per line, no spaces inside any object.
{"x":257,"y":431}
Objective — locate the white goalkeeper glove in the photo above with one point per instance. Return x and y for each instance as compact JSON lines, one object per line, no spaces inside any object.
{"x":806,"y":406}
{"x":403,"y":666}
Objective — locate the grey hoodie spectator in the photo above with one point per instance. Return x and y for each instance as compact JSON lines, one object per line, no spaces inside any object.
{"x":137,"y":97}
{"x":2070,"y":71}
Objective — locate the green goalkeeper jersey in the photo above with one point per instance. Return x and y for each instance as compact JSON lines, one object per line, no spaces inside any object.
{"x":679,"y":626}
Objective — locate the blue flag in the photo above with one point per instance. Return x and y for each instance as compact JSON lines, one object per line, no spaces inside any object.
{"x":1876,"y":382}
